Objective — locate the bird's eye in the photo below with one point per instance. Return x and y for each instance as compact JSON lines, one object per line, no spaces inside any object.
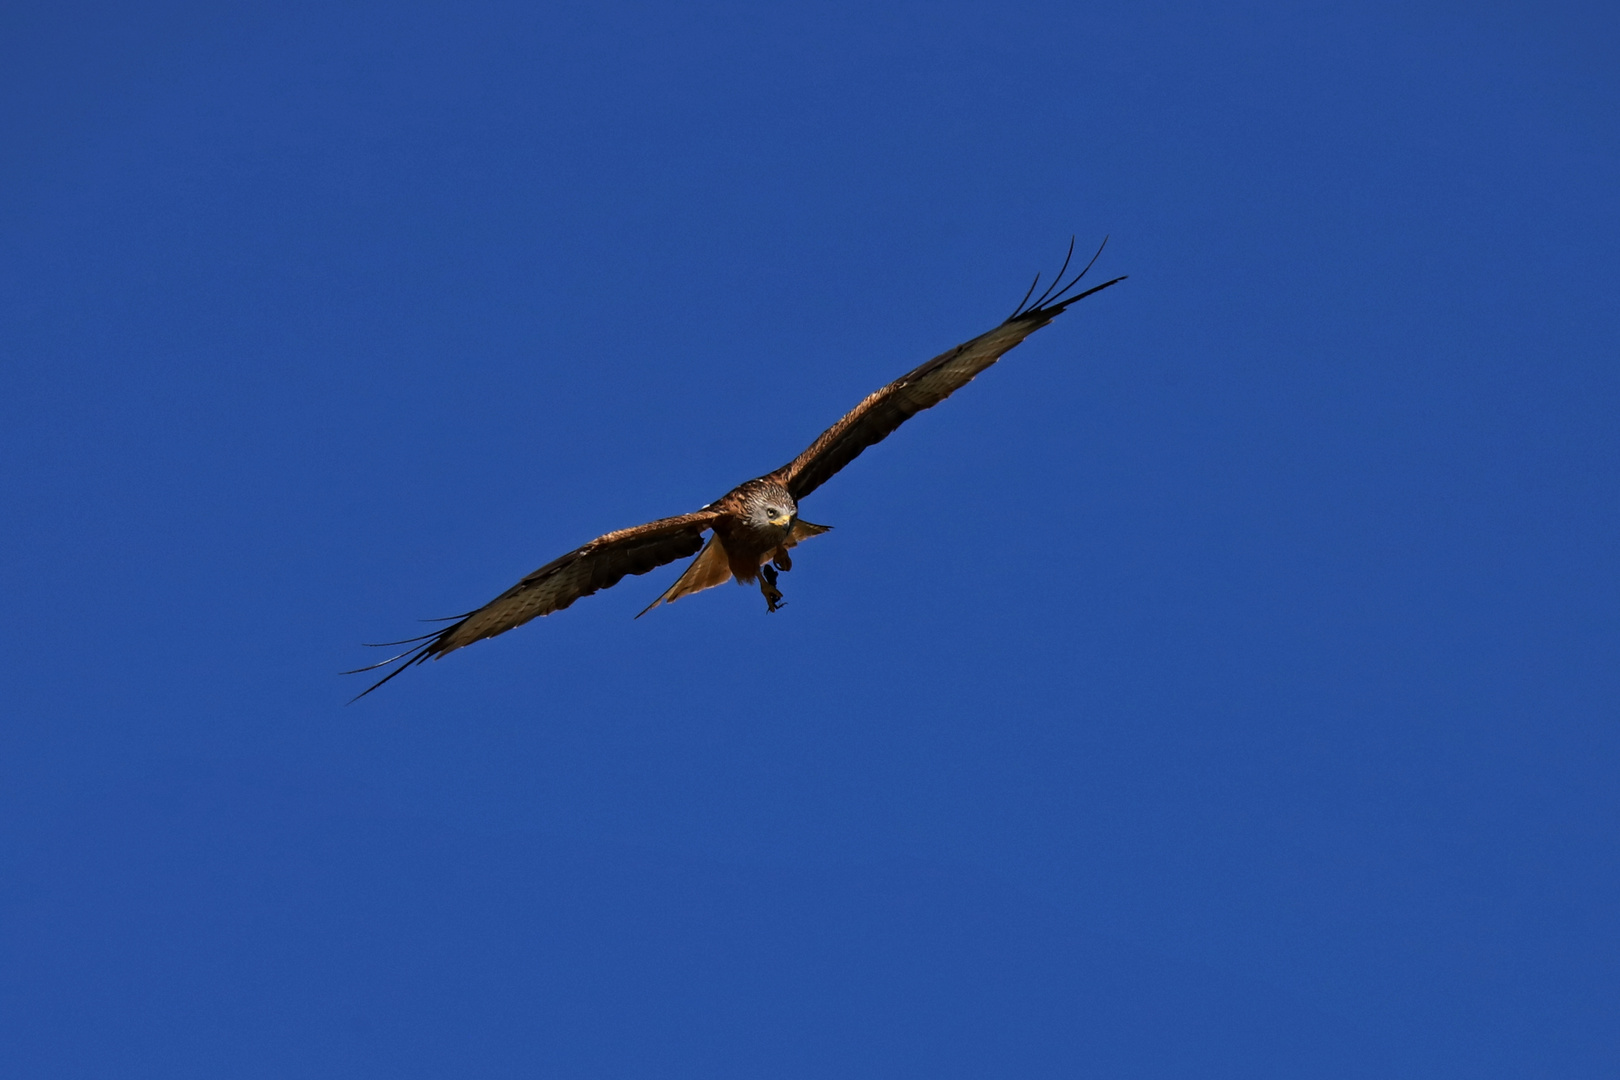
{"x":771,"y":512}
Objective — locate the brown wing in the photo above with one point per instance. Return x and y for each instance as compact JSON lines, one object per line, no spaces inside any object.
{"x":709,"y":569}
{"x":879,"y":414}
{"x":597,"y":565}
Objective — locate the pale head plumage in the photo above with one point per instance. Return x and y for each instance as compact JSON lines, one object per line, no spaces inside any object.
{"x":766,"y":506}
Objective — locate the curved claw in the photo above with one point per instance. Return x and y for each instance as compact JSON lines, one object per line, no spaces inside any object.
{"x":767,"y":587}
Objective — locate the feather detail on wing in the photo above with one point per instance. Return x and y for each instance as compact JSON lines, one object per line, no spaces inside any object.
{"x":597,"y":565}
{"x":881,"y":413}
{"x":710,"y":568}
{"x":803,"y":530}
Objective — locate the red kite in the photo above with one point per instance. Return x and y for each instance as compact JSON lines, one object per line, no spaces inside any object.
{"x":752,"y":526}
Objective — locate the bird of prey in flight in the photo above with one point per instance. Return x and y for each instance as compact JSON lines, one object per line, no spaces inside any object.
{"x":752,"y":526}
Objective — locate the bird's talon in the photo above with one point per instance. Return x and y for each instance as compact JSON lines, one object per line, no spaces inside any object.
{"x":768,"y":589}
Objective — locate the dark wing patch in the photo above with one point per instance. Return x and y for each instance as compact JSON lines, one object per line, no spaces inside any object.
{"x":597,"y":565}
{"x":880,"y":413}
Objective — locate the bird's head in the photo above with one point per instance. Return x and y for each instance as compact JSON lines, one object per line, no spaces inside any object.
{"x":773,"y":508}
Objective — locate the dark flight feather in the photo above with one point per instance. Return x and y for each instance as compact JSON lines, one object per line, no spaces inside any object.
{"x":597,"y":565}
{"x":876,"y":418}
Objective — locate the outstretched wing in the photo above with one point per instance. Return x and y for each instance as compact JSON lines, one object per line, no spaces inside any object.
{"x":880,"y":413}
{"x":598,"y":565}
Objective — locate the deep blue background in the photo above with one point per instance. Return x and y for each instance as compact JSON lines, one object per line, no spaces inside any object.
{"x":1224,"y":685}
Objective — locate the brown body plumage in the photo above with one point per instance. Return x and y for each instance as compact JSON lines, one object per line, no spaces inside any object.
{"x":752,"y":526}
{"x":757,"y":523}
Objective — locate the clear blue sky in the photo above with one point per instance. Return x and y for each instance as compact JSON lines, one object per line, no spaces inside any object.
{"x":1224,"y":685}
